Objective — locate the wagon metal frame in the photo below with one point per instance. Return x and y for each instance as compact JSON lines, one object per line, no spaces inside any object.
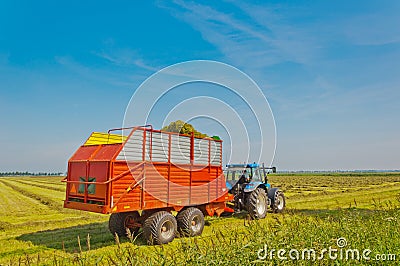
{"x":112,"y":173}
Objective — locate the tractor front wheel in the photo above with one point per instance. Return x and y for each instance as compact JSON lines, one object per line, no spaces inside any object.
{"x":190,"y":222}
{"x":257,"y":203}
{"x":119,"y":223}
{"x":160,"y":228}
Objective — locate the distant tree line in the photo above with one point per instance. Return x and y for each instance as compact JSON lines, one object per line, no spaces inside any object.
{"x":26,"y":173}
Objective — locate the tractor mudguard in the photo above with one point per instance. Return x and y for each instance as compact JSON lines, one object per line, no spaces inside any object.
{"x":253,"y":185}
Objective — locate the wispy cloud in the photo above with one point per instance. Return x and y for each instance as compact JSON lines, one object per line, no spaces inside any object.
{"x":260,"y":40}
{"x":254,"y":38}
{"x":257,"y":38}
{"x":294,"y":43}
{"x":125,"y":58}
{"x":120,"y":67}
{"x":112,"y":77}
{"x":237,"y":40}
{"x":379,"y":28}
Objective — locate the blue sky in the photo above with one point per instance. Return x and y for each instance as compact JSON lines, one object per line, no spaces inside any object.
{"x":329,"y":69}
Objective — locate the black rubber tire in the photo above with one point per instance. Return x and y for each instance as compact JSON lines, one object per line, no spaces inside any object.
{"x":160,"y":228}
{"x":190,"y":222}
{"x":278,"y":201}
{"x":118,"y":223}
{"x":257,"y":204}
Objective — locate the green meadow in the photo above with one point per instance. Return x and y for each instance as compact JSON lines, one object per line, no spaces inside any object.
{"x":361,"y":209}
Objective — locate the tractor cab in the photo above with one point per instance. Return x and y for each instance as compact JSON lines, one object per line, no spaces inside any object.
{"x":250,"y":174}
{"x":248,"y":183}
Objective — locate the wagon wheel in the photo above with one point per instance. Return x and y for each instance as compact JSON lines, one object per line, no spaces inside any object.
{"x":160,"y":228}
{"x":120,"y":222}
{"x":190,"y":222}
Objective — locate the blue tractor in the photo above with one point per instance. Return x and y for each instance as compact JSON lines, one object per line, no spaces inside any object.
{"x":248,"y":183}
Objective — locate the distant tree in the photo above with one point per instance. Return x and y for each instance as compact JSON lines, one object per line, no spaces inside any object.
{"x":181,"y":127}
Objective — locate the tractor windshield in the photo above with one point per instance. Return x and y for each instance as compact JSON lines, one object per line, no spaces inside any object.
{"x":235,"y":173}
{"x":256,"y":174}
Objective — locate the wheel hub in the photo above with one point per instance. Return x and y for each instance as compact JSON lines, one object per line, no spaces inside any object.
{"x":167,"y":229}
{"x":196,"y":224}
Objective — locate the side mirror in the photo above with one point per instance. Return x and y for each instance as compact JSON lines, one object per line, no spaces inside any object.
{"x":274,"y":169}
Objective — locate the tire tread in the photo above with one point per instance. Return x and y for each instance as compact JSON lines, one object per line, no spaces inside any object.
{"x":252,"y":203}
{"x":184,"y":221}
{"x":151,"y":227}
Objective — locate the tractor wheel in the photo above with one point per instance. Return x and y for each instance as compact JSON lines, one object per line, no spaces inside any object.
{"x":120,"y":222}
{"x":159,"y":228}
{"x":190,"y":222}
{"x":257,"y":203}
{"x":278,"y":201}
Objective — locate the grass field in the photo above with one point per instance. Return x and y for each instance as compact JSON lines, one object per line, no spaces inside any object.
{"x":321,"y":208}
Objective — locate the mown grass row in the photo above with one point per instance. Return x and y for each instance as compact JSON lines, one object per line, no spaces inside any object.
{"x":26,"y":192}
{"x":345,"y":180}
{"x":301,"y":185}
{"x":15,"y":206}
{"x":27,"y":208}
{"x":339,"y":174}
{"x":41,"y":185}
{"x":54,"y":180}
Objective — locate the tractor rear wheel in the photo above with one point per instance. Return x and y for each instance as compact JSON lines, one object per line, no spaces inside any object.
{"x":120,"y":222}
{"x":257,"y":203}
{"x":190,"y":222}
{"x":160,"y":228}
{"x":278,"y":201}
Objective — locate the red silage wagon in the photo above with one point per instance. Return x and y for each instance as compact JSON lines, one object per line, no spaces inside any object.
{"x":141,"y":178}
